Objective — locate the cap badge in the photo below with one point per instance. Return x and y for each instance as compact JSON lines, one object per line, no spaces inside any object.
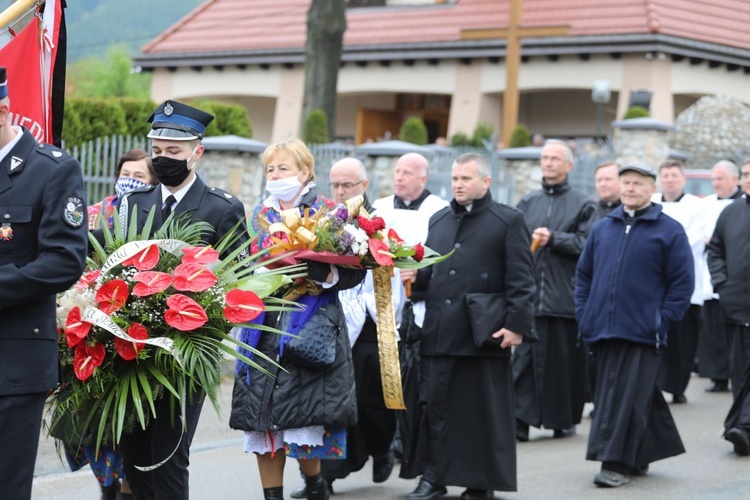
{"x":168,"y":109}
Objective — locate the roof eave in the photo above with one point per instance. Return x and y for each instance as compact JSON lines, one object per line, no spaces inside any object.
{"x":589,"y":44}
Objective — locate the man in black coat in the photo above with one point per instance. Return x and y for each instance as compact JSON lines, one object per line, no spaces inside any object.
{"x":550,"y":376}
{"x":177,"y":130}
{"x":728,"y":263}
{"x":42,"y":252}
{"x":479,"y":305}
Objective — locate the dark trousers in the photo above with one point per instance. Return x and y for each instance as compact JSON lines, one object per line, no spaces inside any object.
{"x":713,"y":343}
{"x":679,"y":355}
{"x":149,"y":446}
{"x":376,"y":424}
{"x":20,"y":423}
{"x":739,"y":413}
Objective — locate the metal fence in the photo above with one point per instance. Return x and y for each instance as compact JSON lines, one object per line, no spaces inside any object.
{"x":98,"y":159}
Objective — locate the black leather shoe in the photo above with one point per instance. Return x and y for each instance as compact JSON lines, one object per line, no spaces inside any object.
{"x":472,"y":494}
{"x":382,"y":467}
{"x":740,"y":439}
{"x":522,"y":431}
{"x":640,"y":471}
{"x":610,"y":479}
{"x":718,"y":386}
{"x":110,"y":492}
{"x":301,"y":491}
{"x":564,"y":433}
{"x":426,"y":491}
{"x":678,"y":399}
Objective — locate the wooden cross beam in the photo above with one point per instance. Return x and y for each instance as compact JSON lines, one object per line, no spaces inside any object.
{"x":513,"y":34}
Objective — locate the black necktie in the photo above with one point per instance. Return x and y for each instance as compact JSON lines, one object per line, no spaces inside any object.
{"x":167,"y":207}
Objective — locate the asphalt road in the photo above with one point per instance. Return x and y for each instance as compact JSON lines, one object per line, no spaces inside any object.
{"x":547,"y":468}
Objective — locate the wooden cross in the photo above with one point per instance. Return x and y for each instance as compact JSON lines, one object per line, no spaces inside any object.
{"x":513,"y":34}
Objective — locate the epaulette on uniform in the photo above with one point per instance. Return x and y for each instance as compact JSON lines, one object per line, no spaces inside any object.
{"x":220,"y":193}
{"x":52,"y":152}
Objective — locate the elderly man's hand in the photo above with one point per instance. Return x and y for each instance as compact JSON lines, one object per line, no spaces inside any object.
{"x":509,"y":338}
{"x":542,"y":234}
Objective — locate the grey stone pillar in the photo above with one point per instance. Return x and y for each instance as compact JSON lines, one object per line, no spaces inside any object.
{"x":523,"y":165}
{"x":641,"y":139}
{"x":233,"y":164}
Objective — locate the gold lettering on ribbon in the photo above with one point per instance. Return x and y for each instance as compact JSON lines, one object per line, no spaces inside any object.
{"x":390,"y":368}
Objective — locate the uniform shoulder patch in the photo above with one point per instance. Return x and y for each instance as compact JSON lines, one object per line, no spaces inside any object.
{"x":73,"y":212}
{"x":52,"y":152}
{"x":221,"y":194}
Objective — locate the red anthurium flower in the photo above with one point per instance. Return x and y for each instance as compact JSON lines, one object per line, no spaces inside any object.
{"x":145,"y":259}
{"x":87,"y":279}
{"x":380,"y":252}
{"x":129,"y":350}
{"x":201,"y":255}
{"x":377,"y":223}
{"x":418,"y":252}
{"x":184,"y":313}
{"x":366,"y":225}
{"x":151,"y":282}
{"x":87,"y":358}
{"x":193,"y":277}
{"x":242,"y":306}
{"x":393,"y":235}
{"x":112,"y":296}
{"x":75,"y":329}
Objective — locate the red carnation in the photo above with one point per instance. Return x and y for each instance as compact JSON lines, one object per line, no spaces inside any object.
{"x":129,"y":350}
{"x":184,"y":313}
{"x":378,"y":223}
{"x":87,"y":358}
{"x":366,"y":225}
{"x":418,"y":252}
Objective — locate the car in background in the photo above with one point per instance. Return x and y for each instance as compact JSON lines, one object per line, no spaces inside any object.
{"x":698,"y":181}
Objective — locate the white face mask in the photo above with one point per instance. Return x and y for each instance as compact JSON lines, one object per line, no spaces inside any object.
{"x":284,"y":189}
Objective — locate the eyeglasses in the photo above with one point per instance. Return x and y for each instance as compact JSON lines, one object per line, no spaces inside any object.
{"x":344,"y":185}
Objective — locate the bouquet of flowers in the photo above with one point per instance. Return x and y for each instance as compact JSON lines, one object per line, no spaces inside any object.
{"x":152,"y":318}
{"x":346,"y":235}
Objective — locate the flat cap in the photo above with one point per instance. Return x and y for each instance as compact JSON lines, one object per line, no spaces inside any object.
{"x":175,"y":121}
{"x":640,"y":167}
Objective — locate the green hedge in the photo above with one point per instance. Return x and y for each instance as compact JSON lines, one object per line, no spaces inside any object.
{"x":315,"y":130}
{"x":87,"y":119}
{"x":414,"y":130}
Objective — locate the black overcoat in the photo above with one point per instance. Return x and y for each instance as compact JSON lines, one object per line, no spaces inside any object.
{"x":42,"y":252}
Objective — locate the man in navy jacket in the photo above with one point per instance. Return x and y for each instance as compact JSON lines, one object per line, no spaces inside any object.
{"x":633,"y":282}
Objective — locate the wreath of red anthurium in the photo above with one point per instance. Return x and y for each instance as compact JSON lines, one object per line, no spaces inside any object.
{"x":87,"y":358}
{"x":151,"y":282}
{"x":75,"y":329}
{"x":242,"y":306}
{"x":380,"y":252}
{"x":393,"y":235}
{"x":193,"y":277}
{"x":200,"y":255}
{"x":144,"y":260}
{"x":87,"y":279}
{"x":184,"y":313}
{"x":129,"y":350}
{"x":112,"y":296}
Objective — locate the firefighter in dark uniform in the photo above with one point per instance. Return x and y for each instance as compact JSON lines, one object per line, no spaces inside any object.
{"x":176,"y":133}
{"x":43,"y":239}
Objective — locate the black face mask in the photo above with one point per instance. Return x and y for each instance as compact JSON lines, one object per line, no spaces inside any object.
{"x":170,"y":171}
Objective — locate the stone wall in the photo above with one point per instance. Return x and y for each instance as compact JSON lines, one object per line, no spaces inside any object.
{"x":239,"y":173}
{"x":641,"y":139}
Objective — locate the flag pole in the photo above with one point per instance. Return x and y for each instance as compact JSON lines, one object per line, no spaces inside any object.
{"x":16,"y":10}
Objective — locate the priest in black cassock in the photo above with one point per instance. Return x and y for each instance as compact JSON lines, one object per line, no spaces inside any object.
{"x":479,"y":305}
{"x":633,"y":282}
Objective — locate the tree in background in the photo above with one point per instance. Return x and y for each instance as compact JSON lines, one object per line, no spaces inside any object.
{"x":520,"y":137}
{"x":110,"y":76}
{"x":326,"y":24}
{"x":484,"y":136}
{"x":414,"y":130}
{"x":315,"y":130}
